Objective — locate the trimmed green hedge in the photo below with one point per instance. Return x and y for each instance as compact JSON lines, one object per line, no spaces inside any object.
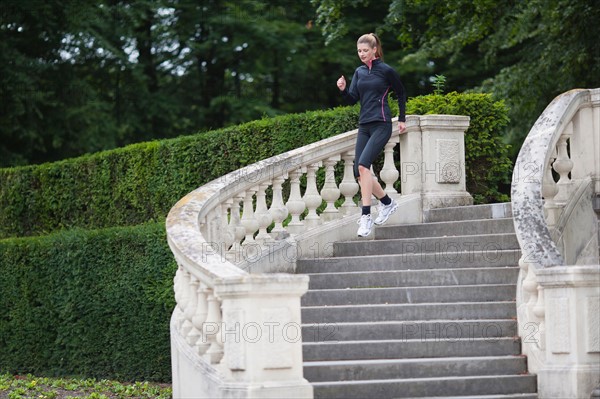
{"x":88,"y":303}
{"x":141,"y":182}
{"x":488,"y":166}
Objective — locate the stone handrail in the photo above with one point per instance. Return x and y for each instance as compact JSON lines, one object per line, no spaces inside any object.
{"x":238,"y":334}
{"x":557,"y":231}
{"x":544,"y":150}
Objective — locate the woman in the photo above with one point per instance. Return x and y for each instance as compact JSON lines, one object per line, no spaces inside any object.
{"x":371,"y":85}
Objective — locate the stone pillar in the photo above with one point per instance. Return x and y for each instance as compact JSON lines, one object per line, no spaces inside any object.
{"x":595,"y":143}
{"x":432,"y":157}
{"x":411,"y":158}
{"x":261,"y":334}
{"x":572,"y":313}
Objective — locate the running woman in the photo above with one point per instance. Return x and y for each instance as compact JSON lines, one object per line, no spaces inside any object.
{"x":371,"y":85}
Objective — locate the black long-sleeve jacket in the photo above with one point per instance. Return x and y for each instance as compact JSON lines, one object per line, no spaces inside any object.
{"x":371,"y":87}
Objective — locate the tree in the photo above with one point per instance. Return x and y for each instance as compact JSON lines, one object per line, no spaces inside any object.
{"x":34,"y":79}
{"x":523,"y":52}
{"x":82,"y":77}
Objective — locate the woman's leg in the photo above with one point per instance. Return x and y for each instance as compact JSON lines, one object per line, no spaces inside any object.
{"x":368,"y":186}
{"x":380,"y":135}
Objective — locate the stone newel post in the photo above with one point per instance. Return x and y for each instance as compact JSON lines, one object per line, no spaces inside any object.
{"x":572,"y":314}
{"x":262,"y":337}
{"x":432,"y":157}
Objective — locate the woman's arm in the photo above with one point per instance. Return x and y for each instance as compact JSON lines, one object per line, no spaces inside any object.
{"x":398,"y":88}
{"x":351,"y":94}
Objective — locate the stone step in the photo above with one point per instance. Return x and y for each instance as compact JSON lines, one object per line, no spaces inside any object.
{"x":452,"y":228}
{"x":413,"y":368}
{"x":408,"y":312}
{"x":507,"y":396}
{"x":448,"y":260}
{"x":421,"y":310}
{"x":414,"y":278}
{"x":440,"y":245}
{"x":406,"y":330}
{"x":410,"y":349}
{"x":416,"y":388}
{"x":428,"y":294}
{"x":474,"y":212}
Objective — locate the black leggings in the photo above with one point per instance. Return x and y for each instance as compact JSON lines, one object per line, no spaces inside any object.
{"x":371,"y":140}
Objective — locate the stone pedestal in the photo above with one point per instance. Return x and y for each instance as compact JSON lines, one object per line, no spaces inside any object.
{"x":262,"y":336}
{"x":259,"y":327}
{"x":432,"y":157}
{"x":572,"y":317}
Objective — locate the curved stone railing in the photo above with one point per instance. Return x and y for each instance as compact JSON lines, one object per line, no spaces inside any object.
{"x":235,"y":331}
{"x":558,"y":294}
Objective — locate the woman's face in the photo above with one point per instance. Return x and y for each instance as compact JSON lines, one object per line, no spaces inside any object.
{"x":366,"y":53}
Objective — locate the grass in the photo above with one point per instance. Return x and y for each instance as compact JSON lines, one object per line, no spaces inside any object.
{"x":31,"y":387}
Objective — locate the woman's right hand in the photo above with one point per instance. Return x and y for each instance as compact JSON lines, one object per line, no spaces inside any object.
{"x":341,"y":83}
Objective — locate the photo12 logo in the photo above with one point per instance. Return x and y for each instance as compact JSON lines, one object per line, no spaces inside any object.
{"x":271,"y":332}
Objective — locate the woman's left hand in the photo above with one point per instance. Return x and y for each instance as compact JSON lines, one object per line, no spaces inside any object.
{"x":402,"y":127}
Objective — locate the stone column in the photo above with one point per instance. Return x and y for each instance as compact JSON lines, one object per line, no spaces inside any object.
{"x":444,"y":155}
{"x":432,"y":159}
{"x":572,"y":313}
{"x":261,"y":333}
{"x":584,"y":146}
{"x":411,"y":157}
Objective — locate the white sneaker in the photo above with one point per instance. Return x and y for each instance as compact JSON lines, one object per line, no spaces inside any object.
{"x":365,"y":224}
{"x":385,"y":211}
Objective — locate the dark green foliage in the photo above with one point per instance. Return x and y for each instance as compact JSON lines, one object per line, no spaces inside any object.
{"x":141,"y":182}
{"x":88,"y":303}
{"x":80,"y":77}
{"x":488,"y":166}
{"x":524,"y":52}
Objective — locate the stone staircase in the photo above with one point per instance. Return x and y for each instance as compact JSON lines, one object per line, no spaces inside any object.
{"x":424,"y":310}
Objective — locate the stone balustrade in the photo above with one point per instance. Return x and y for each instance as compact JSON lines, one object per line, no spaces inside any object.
{"x":556,"y":178}
{"x":235,"y":331}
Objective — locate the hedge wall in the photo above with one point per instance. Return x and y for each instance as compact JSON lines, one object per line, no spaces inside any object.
{"x":141,"y":182}
{"x":488,"y":166}
{"x":88,"y":303}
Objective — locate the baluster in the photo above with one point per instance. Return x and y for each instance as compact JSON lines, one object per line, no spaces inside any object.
{"x":178,"y":289}
{"x":349,"y":186}
{"x":524,"y":266}
{"x":295,"y":204}
{"x":211,"y":329}
{"x":262,"y":215}
{"x":563,"y":166}
{"x":549,"y":191}
{"x":186,"y":302}
{"x":330,"y":191}
{"x":200,"y":317}
{"x":194,"y":334}
{"x":312,"y":198}
{"x":249,"y":221}
{"x":389,"y":174}
{"x":214,"y":225}
{"x":539,"y":310}
{"x":239,"y":231}
{"x":278,"y":210}
{"x":227,"y":234}
{"x":530,"y":286}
